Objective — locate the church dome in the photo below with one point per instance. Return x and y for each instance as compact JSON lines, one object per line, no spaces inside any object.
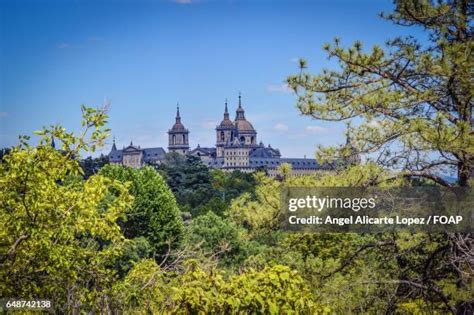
{"x":226,"y":123}
{"x":243,"y":125}
{"x":178,"y":125}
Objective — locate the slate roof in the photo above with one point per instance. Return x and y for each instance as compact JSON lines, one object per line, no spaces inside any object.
{"x":154,"y":154}
{"x":149,"y":154}
{"x":310,"y":164}
{"x":262,"y":152}
{"x":207,"y":151}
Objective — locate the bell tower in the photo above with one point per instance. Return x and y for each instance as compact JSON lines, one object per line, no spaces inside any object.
{"x":224,"y":132}
{"x":178,"y":136}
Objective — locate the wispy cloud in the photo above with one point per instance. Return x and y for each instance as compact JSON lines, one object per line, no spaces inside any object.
{"x":3,"y":114}
{"x":63,"y":45}
{"x":281,"y":127}
{"x":295,"y":59}
{"x":278,"y":88}
{"x":210,"y":124}
{"x":184,"y":1}
{"x":315,"y":129}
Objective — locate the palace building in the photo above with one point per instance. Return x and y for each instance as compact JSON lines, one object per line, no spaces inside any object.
{"x":236,"y":148}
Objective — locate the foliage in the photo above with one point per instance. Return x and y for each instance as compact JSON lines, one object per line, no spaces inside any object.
{"x":58,"y":234}
{"x":189,"y":179}
{"x":3,"y":152}
{"x":409,"y":110}
{"x":133,"y":251}
{"x":154,"y":213}
{"x":91,"y":166}
{"x":144,"y":290}
{"x":371,"y":272}
{"x":218,"y":237}
{"x":198,"y":189}
{"x":414,"y":99}
{"x":273,"y":290}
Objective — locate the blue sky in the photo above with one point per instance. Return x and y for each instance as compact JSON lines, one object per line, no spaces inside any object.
{"x":145,"y":56}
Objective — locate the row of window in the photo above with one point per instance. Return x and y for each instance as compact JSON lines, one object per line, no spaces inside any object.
{"x":234,"y":153}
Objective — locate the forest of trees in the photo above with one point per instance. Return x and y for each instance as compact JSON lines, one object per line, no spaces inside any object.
{"x":182,"y":238}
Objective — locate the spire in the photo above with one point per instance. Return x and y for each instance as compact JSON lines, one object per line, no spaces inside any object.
{"x":226,"y":111}
{"x":131,"y":143}
{"x":240,"y":113}
{"x":53,"y":145}
{"x":178,"y":117}
{"x":114,"y":147}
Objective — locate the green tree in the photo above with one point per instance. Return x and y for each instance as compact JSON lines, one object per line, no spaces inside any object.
{"x":91,"y":165}
{"x":414,"y":99}
{"x":230,"y":185}
{"x":154,"y":213}
{"x":410,"y":105}
{"x":218,"y":236}
{"x":59,"y":233}
{"x":273,"y":290}
{"x":190,"y":181}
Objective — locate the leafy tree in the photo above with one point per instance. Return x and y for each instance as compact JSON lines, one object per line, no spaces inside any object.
{"x":58,"y":234}
{"x":144,"y":290}
{"x":414,"y":101}
{"x":230,"y":185}
{"x":273,"y":290}
{"x":218,"y":236}
{"x":91,"y":165}
{"x":414,"y":98}
{"x":3,"y":152}
{"x":133,"y":251}
{"x":154,"y":213}
{"x":190,"y":181}
{"x":391,"y":272}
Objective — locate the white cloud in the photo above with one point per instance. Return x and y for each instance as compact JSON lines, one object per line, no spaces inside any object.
{"x":315,"y":129}
{"x":281,"y":88}
{"x":295,"y":60}
{"x":281,"y":127}
{"x":183,"y":1}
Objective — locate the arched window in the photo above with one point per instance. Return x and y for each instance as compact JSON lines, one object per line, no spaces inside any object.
{"x":242,"y":139}
{"x":173,"y":140}
{"x":222,"y":135}
{"x":184,"y":139}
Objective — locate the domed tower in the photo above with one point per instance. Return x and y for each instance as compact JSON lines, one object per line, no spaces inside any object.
{"x":178,"y":136}
{"x":224,"y":132}
{"x":244,"y":129}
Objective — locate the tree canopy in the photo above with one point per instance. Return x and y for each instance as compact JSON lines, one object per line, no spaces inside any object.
{"x":414,"y":98}
{"x":154,"y":214}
